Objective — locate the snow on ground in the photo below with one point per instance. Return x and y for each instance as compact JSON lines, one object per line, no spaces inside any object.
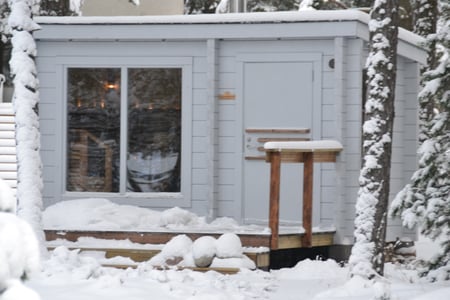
{"x":69,"y":275}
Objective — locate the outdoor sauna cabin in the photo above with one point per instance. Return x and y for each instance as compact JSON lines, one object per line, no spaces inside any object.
{"x":175,"y":111}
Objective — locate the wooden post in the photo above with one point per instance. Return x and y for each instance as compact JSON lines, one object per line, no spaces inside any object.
{"x":307,"y":198}
{"x":305,"y":152}
{"x":274,"y":204}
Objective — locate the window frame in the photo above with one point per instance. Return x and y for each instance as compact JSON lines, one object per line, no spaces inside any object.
{"x":155,"y":199}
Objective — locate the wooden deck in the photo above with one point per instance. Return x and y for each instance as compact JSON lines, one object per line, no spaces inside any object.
{"x":286,"y":241}
{"x":261,"y":257}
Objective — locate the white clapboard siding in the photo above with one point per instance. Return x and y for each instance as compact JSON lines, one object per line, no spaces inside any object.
{"x":8,"y":161}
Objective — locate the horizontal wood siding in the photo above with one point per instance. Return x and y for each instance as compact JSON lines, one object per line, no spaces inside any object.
{"x":404,"y":161}
{"x":404,"y":141}
{"x":398,"y":147}
{"x":351,"y":121}
{"x":228,"y":186}
{"x":54,"y":55}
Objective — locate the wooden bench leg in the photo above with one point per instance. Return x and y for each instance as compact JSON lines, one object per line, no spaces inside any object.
{"x":274,"y":204}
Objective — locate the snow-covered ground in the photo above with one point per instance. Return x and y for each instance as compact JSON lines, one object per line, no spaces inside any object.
{"x":68,"y":275}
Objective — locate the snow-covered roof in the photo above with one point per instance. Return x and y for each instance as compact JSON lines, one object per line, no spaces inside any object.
{"x":259,"y":17}
{"x":349,"y":22}
{"x":232,"y":18}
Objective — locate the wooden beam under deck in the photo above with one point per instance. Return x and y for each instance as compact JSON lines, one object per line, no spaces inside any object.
{"x":248,"y":240}
{"x":286,"y":241}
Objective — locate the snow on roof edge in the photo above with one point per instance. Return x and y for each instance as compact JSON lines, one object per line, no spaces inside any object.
{"x":259,"y":17}
{"x":231,"y":18}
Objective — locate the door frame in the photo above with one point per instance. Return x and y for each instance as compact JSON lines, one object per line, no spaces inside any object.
{"x":316,"y":131}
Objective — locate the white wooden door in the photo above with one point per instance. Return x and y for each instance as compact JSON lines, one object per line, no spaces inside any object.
{"x":278,"y":103}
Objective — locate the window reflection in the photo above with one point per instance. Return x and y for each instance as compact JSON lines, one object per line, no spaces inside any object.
{"x":93,"y":124}
{"x":154,"y":130}
{"x":153,"y":138}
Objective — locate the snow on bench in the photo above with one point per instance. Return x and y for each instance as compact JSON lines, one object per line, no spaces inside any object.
{"x":306,"y":152}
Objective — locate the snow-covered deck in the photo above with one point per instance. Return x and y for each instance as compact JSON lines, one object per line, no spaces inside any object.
{"x":123,"y":230}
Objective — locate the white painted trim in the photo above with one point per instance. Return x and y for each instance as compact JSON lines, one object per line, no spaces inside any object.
{"x":182,"y":199}
{"x":123,"y":130}
{"x":339,"y":93}
{"x":211,"y":98}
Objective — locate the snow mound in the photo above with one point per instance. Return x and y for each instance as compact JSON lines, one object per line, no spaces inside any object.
{"x":229,"y":245}
{"x":98,"y":214}
{"x":173,"y":252}
{"x":233,"y":262}
{"x":225,"y":222}
{"x":440,"y":293}
{"x":65,"y":261}
{"x":16,"y":290}
{"x":7,"y":198}
{"x":177,"y":216}
{"x":313,"y":269}
{"x":204,"y":251}
{"x":19,"y":249}
{"x":103,"y":215}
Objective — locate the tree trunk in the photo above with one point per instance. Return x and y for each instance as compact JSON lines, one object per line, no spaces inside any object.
{"x":25,"y":101}
{"x":367,"y":256}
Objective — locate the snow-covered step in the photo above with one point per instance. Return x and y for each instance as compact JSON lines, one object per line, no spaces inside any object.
{"x":8,"y":150}
{"x":135,"y":254}
{"x":8,"y":161}
{"x":8,"y":167}
{"x":12,"y":183}
{"x":7,"y":142}
{"x":7,"y":127}
{"x":6,"y":109}
{"x":8,"y":119}
{"x":7,"y":158}
{"x":8,"y":175}
{"x":7,"y":135}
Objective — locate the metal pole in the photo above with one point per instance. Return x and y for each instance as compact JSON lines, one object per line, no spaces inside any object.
{"x":238,"y":6}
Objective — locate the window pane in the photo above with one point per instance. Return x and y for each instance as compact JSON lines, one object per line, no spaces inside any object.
{"x":93,"y":140}
{"x":154,"y":130}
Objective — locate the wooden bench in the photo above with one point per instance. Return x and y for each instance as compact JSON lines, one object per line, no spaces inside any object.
{"x":306,"y":152}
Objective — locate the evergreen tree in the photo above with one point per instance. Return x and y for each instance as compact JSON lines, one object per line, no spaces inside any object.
{"x":362,"y":3}
{"x":4,"y":38}
{"x":200,"y":6}
{"x":425,"y":201}
{"x":42,"y":8}
{"x":367,"y":257}
{"x":425,"y":20}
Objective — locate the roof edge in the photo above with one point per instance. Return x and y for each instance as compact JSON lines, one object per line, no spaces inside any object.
{"x":258,"y":17}
{"x":348,"y":15}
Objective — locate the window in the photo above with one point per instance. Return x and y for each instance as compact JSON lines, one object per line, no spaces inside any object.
{"x":124,"y":130}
